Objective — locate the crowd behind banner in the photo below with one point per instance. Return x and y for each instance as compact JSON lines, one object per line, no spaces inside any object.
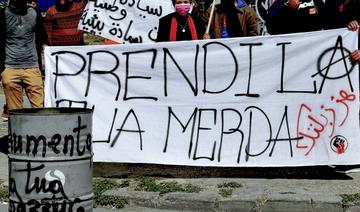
{"x":30,"y":25}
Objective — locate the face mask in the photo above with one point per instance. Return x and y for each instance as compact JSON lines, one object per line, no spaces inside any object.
{"x":182,"y":9}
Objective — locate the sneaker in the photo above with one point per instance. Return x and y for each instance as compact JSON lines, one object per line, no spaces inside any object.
{"x":347,"y":169}
{"x":5,"y":114}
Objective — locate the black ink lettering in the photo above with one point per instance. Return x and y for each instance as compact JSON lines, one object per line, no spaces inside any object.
{"x":229,"y":131}
{"x":55,"y":141}
{"x":111,"y":129}
{"x":283,"y":48}
{"x":16,"y":143}
{"x":248,"y":94}
{"x":194,"y":88}
{"x":152,"y":35}
{"x":121,"y":129}
{"x":130,"y":38}
{"x":206,"y":90}
{"x":36,"y":141}
{"x":195,"y":157}
{"x":123,"y":2}
{"x":184,"y":127}
{"x":77,"y":131}
{"x":103,"y":72}
{"x":123,"y":14}
{"x":247,"y":149}
{"x":57,"y":74}
{"x":66,"y":144}
{"x":151,"y":11}
{"x":338,"y":47}
{"x":105,"y":6}
{"x":94,"y":23}
{"x":40,"y":185}
{"x":128,"y":77}
{"x":289,"y":138}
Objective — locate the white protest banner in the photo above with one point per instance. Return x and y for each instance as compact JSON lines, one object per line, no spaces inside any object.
{"x":289,"y":100}
{"x":129,"y":21}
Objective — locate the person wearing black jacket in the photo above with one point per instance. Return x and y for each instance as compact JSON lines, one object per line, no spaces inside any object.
{"x":292,"y":16}
{"x":180,"y":25}
{"x":339,"y":13}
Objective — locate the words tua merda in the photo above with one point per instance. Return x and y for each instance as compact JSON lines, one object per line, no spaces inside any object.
{"x":166,"y":57}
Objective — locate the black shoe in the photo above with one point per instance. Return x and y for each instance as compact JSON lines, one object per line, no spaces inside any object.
{"x":4,"y":144}
{"x":5,"y":114}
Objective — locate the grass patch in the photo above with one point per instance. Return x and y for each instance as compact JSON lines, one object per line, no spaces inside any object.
{"x":110,"y":201}
{"x":150,"y":184}
{"x":225,"y":192}
{"x":347,"y":198}
{"x":102,"y":185}
{"x":4,"y":195}
{"x":229,"y":185}
{"x":227,"y":188}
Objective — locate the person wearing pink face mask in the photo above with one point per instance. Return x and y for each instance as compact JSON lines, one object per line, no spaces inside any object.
{"x":179,"y":25}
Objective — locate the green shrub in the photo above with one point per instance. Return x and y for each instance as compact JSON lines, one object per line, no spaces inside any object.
{"x":150,"y":184}
{"x":102,"y":185}
{"x":4,"y":195}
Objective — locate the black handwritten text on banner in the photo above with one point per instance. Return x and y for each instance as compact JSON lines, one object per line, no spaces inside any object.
{"x":129,"y":21}
{"x":263,"y":101}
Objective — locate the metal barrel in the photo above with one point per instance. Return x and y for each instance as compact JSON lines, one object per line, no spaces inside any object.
{"x":50,"y":160}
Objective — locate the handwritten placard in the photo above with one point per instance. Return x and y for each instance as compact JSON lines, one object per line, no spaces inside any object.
{"x":129,"y":21}
{"x":289,"y":100}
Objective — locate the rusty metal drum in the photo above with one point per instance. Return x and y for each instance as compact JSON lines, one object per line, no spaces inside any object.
{"x":50,"y":160}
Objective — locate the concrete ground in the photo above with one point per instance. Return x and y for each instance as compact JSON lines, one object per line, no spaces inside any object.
{"x":296,"y":189}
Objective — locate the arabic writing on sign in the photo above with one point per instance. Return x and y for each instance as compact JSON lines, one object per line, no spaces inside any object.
{"x":129,"y":21}
{"x":312,"y":125}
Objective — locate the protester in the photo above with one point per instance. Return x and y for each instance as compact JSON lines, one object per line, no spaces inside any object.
{"x":4,"y":114}
{"x":355,"y":55}
{"x":231,"y":20}
{"x":2,"y":40}
{"x":339,"y":13}
{"x":179,"y":25}
{"x":41,"y":39}
{"x":61,"y":23}
{"x":291,"y":16}
{"x":199,"y":11}
{"x":21,"y":60}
